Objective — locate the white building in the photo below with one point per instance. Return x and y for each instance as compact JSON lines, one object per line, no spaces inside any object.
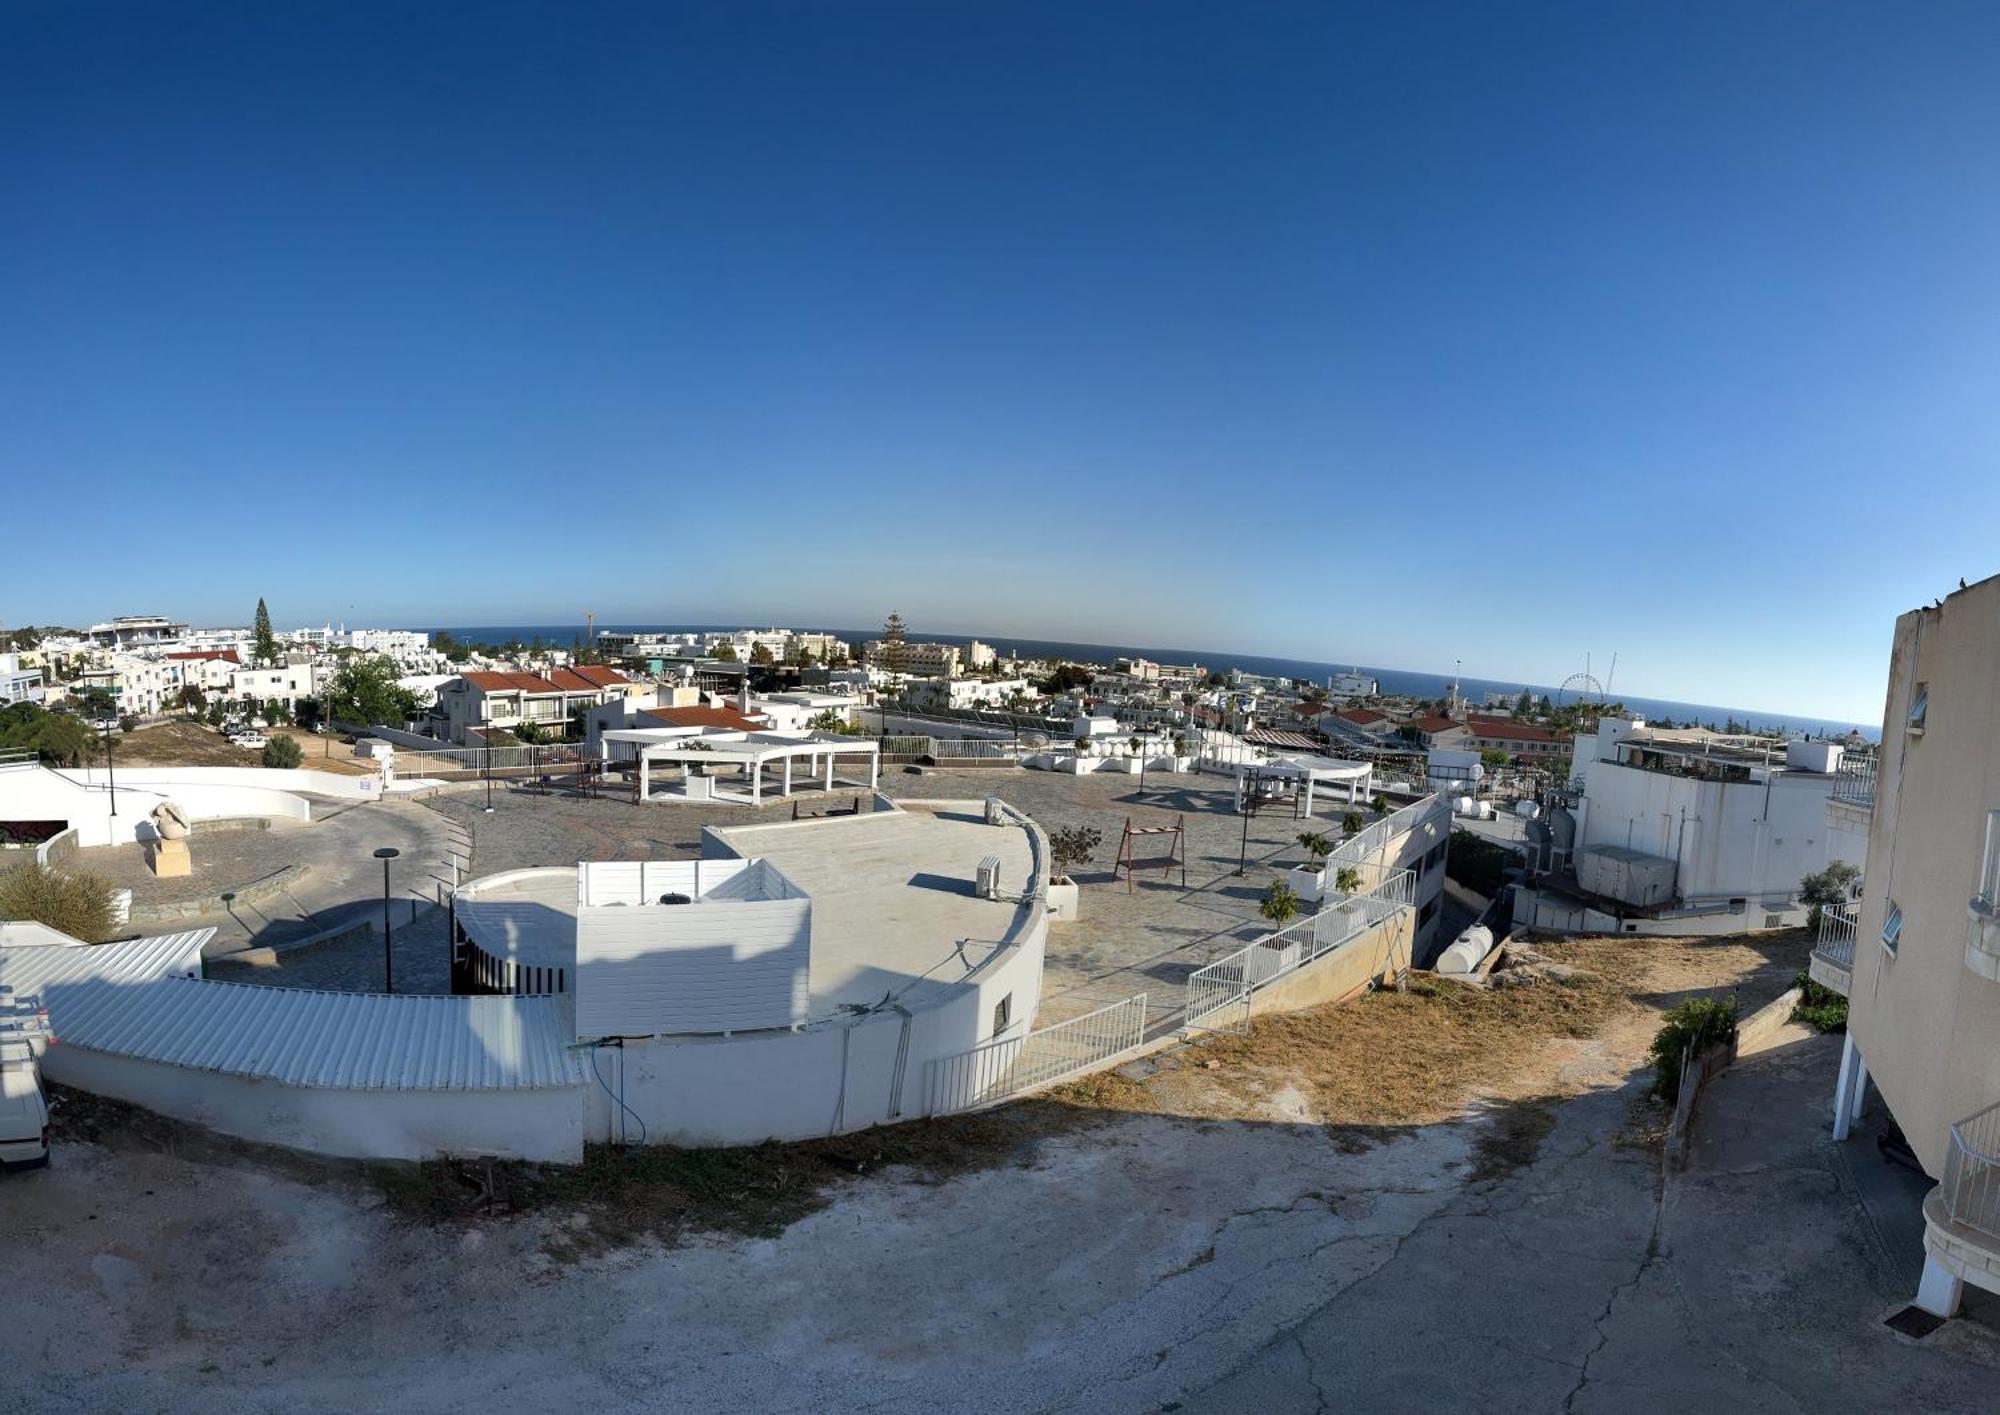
{"x":17,"y":683}
{"x":287,"y":683}
{"x":132,"y":631}
{"x":1684,"y":832}
{"x":967,"y":693}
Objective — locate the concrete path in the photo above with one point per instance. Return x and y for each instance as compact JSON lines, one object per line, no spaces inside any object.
{"x":1757,"y":1280}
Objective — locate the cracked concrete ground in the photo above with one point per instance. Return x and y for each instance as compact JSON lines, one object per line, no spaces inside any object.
{"x":1757,"y":1279}
{"x":1147,"y":1264}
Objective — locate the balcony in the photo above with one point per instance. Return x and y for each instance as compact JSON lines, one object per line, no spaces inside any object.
{"x":1962,"y":1215}
{"x":1854,"y":781}
{"x":1832,"y":964}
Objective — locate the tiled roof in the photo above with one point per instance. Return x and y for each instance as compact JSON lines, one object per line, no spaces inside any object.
{"x":558,"y":680}
{"x":1513,"y":731}
{"x":1360,"y":717}
{"x":1434,"y":723}
{"x":224,"y":655}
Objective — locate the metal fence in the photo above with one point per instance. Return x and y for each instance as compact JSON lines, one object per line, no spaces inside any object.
{"x":1971,"y":1186}
{"x":1854,"y":780}
{"x":1218,"y":995}
{"x":552,"y":756}
{"x":1014,"y":1065}
{"x":1837,"y":927}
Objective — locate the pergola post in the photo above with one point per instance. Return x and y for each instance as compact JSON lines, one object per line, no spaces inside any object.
{"x":829,"y":769}
{"x":645,"y":778}
{"x":874,"y":770}
{"x":756,"y":764}
{"x":788,"y":773}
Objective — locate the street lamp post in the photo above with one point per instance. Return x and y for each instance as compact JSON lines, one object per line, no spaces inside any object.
{"x":385,"y":855}
{"x":110,"y":771}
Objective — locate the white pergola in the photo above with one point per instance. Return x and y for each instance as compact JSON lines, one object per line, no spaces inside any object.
{"x":1311,"y":771}
{"x":749,"y":752}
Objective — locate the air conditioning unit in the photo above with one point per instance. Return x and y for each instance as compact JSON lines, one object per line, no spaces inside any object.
{"x":987,"y":884}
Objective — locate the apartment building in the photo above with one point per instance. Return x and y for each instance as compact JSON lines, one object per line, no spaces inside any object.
{"x":1922,"y":951}
{"x":918,"y":659}
{"x":474,"y":701}
{"x":1520,"y":740}
{"x":966,"y":693}
{"x":19,"y":683}
{"x":287,"y":683}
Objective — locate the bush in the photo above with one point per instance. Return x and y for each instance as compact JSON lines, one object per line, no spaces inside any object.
{"x":1821,"y":1009}
{"x":283,"y":753}
{"x":127,"y":722}
{"x":75,"y":902}
{"x":1691,"y":1028}
{"x":1478,"y":863}
{"x":1280,"y":905}
{"x":1071,"y":846}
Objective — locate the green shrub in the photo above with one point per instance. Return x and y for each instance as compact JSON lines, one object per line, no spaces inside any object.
{"x":1691,"y":1027}
{"x":75,"y":902}
{"x":283,"y":753}
{"x":1280,"y":904}
{"x":1821,"y":1009}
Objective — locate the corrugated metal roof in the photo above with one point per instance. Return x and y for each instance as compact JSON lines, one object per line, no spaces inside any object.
{"x":137,"y":1000}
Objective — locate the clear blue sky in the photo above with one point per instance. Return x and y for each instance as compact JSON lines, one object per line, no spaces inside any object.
{"x":1388,"y":333}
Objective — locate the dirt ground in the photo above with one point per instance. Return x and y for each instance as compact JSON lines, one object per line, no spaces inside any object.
{"x":189,"y":744}
{"x":1112,"y":1245}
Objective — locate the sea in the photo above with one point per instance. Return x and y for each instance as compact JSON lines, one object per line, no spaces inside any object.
{"x":1406,"y":682}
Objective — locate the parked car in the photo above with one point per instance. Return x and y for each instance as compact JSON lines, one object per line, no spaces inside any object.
{"x":24,"y":1110}
{"x":252,"y":740}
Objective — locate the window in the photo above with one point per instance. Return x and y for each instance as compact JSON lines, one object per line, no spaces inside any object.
{"x":1920,"y":706}
{"x":1892,"y":926}
{"x":1003,"y":1013}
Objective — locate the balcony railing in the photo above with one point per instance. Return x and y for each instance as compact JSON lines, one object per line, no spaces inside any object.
{"x":1971,"y":1187}
{"x":1854,"y":781}
{"x":1982,"y":933}
{"x":1832,"y":963}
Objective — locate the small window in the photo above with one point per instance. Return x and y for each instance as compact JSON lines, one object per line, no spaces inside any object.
{"x":1892,"y":926}
{"x":1920,"y":706}
{"x":1003,"y":1013}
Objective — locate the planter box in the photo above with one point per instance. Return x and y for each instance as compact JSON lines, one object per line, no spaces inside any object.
{"x":1063,"y":895}
{"x":1081,"y":766}
{"x":1306,"y":883}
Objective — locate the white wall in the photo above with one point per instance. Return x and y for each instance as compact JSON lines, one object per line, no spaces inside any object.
{"x":1731,"y":839}
{"x":31,"y":793}
{"x":545,"y":1124}
{"x":822,"y":1080}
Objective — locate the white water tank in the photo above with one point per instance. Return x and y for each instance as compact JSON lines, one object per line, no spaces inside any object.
{"x":1527,"y":810}
{"x":1466,"y":951}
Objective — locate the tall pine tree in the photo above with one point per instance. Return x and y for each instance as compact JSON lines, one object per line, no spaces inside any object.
{"x":267,"y":642}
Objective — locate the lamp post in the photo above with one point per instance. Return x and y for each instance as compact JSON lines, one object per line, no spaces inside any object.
{"x":110,"y":771}
{"x":385,"y":855}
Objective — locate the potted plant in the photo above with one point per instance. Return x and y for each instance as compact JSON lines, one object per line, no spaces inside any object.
{"x":1279,"y":905}
{"x":1351,"y":823}
{"x":1183,"y":758}
{"x":1069,"y":848}
{"x":1082,"y":761}
{"x":1346,"y":884}
{"x":1308,"y":879}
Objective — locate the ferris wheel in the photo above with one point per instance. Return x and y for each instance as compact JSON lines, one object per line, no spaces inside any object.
{"x":1579,"y":688}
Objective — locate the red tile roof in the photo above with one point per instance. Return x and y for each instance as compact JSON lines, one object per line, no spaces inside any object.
{"x":1511,"y":730}
{"x":1360,"y":717}
{"x":1309,"y":709}
{"x":559,"y":680}
{"x":723,"y":717}
{"x":1434,"y":723}
{"x":225,"y":655}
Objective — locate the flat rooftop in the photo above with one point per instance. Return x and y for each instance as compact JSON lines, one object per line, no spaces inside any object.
{"x":892,"y":894}
{"x":893,"y":907}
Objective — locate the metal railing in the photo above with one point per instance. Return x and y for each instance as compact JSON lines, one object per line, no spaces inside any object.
{"x":1971,"y":1185}
{"x":474,"y":970}
{"x":1837,"y":927}
{"x":535,"y":757}
{"x":1854,"y":780}
{"x":1357,"y":848}
{"x":1011,"y":1066}
{"x":1229,"y":981}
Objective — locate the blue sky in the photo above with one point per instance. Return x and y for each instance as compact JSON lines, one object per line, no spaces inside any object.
{"x":1393,"y":333}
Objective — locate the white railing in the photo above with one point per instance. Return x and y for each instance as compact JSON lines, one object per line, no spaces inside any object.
{"x":1854,"y":780}
{"x":1357,"y":848}
{"x":1229,"y":981}
{"x":1837,"y":926}
{"x":1012,"y":1066}
{"x":548,"y":754}
{"x":1971,"y":1186}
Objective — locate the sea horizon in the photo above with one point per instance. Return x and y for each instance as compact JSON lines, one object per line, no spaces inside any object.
{"x":1395,"y":681}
